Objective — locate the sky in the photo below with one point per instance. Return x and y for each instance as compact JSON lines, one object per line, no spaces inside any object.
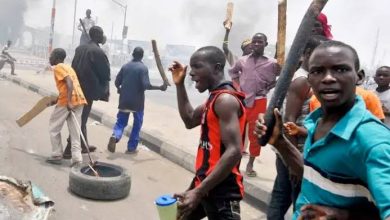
{"x":199,"y":22}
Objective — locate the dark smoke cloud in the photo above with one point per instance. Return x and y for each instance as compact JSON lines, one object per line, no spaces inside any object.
{"x":11,"y":19}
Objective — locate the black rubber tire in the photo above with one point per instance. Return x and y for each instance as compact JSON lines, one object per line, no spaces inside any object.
{"x":99,"y":188}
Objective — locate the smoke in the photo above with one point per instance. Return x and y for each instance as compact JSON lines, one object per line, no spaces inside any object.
{"x":11,"y":19}
{"x":204,"y":20}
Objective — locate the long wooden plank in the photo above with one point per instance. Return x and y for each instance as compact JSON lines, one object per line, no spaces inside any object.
{"x":229,"y":15}
{"x":41,"y":105}
{"x":288,"y":69}
{"x":281,"y":40}
{"x":158,"y":63}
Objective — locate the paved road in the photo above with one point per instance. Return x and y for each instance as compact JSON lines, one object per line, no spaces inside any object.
{"x":23,"y":152}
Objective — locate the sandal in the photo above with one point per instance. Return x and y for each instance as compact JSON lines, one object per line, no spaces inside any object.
{"x":251,"y":173}
{"x":54,"y":160}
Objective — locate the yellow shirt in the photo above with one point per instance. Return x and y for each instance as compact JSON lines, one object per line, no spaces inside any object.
{"x":373,"y":104}
{"x":61,"y":71}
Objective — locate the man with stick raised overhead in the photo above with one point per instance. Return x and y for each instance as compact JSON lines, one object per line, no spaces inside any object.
{"x":256,"y":75}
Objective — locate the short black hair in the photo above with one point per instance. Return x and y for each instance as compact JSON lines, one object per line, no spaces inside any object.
{"x":333,"y":43}
{"x":314,"y":41}
{"x":260,"y":35}
{"x":59,"y":54}
{"x":214,"y":55}
{"x":138,"y":53}
{"x":95,"y":31}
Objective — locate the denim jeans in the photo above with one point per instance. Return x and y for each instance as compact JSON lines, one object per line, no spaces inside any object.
{"x":216,"y":209}
{"x":283,"y":194}
{"x":121,"y":123}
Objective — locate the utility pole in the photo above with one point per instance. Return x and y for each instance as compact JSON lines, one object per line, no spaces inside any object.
{"x":124,"y":30}
{"x":53,"y":15}
{"x":74,"y":21}
{"x":375,"y":49}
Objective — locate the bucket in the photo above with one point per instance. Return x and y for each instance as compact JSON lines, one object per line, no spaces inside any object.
{"x":166,"y":207}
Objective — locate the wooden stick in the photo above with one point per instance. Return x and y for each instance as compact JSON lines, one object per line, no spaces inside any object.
{"x":158,"y":62}
{"x":281,"y":41}
{"x":84,"y":30}
{"x":41,"y":105}
{"x":299,"y":43}
{"x":229,"y":15}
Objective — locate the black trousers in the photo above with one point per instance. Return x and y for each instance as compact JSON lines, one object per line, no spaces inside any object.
{"x":217,"y":209}
{"x":284,"y":193}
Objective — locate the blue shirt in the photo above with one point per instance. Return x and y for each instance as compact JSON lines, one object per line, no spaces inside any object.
{"x":350,"y":166}
{"x":131,"y":82}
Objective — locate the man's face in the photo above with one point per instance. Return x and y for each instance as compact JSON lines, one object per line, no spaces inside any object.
{"x":259,"y":42}
{"x":100,"y":37}
{"x":201,"y":71}
{"x":52,"y":59}
{"x":9,"y":43}
{"x":88,"y":13}
{"x":382,"y":77}
{"x":332,"y":76}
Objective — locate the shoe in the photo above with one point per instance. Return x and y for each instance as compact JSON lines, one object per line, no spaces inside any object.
{"x":131,"y":151}
{"x":67,"y":153}
{"x":111,"y":144}
{"x":66,"y":156}
{"x":14,"y":74}
{"x":54,"y":160}
{"x":91,"y":149}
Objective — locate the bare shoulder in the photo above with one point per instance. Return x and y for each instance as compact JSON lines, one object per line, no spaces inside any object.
{"x":227,"y":104}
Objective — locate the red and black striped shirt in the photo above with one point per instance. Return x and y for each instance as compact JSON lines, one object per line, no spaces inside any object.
{"x":211,"y":148}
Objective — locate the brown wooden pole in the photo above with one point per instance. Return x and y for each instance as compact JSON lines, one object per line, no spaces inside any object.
{"x":229,"y":15}
{"x":158,"y":63}
{"x":281,"y":41}
{"x":302,"y":36}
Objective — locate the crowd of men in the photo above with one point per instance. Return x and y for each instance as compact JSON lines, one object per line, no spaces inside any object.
{"x":327,"y":167}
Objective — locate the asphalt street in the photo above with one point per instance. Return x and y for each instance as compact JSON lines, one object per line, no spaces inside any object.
{"x":23,"y":152}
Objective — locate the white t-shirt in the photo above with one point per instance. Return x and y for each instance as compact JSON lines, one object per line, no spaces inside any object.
{"x":88,"y":23}
{"x":385,"y":100}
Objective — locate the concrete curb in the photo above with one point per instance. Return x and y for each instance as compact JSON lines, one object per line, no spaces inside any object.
{"x":255,"y":195}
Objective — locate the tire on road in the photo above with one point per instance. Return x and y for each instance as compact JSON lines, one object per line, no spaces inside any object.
{"x":114,"y":185}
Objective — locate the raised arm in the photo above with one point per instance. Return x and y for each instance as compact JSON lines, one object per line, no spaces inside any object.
{"x":225,"y":45}
{"x":190,"y":116}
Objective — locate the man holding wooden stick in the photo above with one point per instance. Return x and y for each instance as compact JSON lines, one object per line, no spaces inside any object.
{"x":245,"y":45}
{"x":340,"y":166}
{"x":256,"y":75}
{"x":87,"y":22}
{"x":131,"y":83}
